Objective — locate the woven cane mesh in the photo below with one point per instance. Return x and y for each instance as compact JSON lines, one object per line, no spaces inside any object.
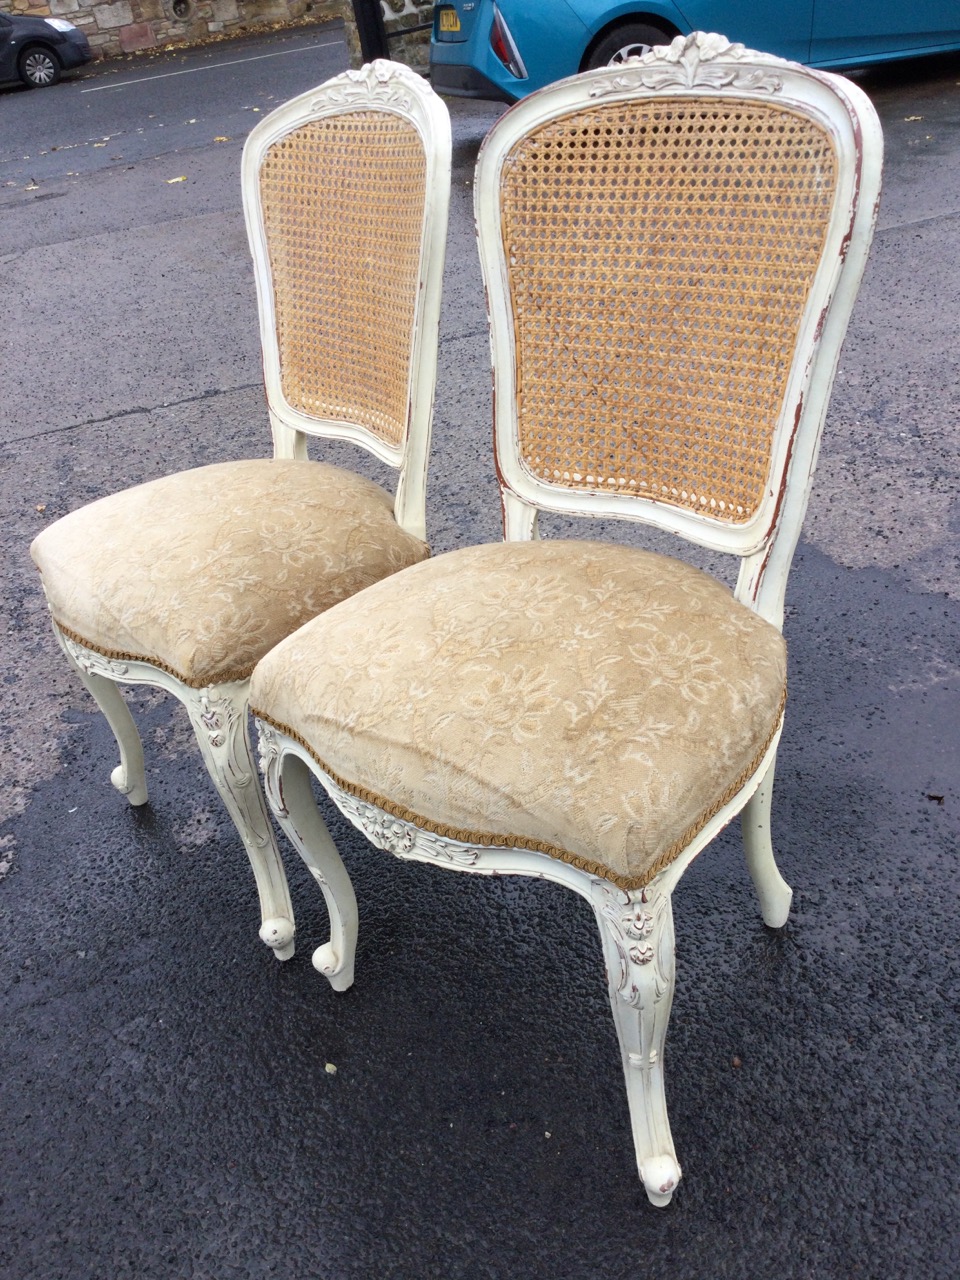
{"x":659,"y":257}
{"x":343,"y":202}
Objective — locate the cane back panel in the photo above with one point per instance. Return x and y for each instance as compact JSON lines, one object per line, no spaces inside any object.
{"x":672,"y":245}
{"x":343,"y":204}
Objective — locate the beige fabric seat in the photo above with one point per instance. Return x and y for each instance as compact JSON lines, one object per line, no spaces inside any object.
{"x":187,"y":581}
{"x":596,"y":703}
{"x":201,"y":573}
{"x":671,"y":249}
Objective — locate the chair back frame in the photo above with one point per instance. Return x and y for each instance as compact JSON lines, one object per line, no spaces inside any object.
{"x":390,"y":88}
{"x":701,"y":68}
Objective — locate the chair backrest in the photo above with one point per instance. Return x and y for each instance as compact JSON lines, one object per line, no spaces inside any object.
{"x":671,"y":251}
{"x":346,"y":192}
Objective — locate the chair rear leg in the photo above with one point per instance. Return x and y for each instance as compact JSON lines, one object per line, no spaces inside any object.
{"x":129,"y":776}
{"x":219,"y":718}
{"x":287,"y":785}
{"x":773,"y":891}
{"x":637,"y":934}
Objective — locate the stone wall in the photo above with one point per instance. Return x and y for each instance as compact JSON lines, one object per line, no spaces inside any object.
{"x":126,"y":26}
{"x":413,"y":49}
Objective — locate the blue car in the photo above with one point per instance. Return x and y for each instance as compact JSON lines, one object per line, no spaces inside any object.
{"x":505,"y":49}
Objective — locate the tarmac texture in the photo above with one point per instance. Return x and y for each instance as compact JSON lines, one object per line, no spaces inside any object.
{"x":168,"y":1104}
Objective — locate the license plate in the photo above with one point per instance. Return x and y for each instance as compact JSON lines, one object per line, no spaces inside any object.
{"x":449,"y":20}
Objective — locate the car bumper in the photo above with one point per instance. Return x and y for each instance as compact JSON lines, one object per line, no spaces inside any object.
{"x":75,"y":51}
{"x":466,"y":82}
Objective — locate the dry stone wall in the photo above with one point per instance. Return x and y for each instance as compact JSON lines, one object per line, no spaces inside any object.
{"x":127,"y":26}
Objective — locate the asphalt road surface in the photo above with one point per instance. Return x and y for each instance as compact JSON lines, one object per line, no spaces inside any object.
{"x":165,"y":1108}
{"x":136,"y":108}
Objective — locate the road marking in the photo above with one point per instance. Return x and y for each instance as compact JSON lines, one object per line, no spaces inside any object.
{"x":234,"y":62}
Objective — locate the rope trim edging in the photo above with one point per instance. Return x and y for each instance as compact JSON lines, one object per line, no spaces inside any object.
{"x":487,"y":840}
{"x":119,"y":655}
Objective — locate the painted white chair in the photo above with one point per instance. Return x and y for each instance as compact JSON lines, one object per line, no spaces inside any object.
{"x":187,"y":581}
{"x":671,"y":251}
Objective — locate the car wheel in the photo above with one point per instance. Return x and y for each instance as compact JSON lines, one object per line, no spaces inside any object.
{"x":38,"y":67}
{"x":629,"y":40}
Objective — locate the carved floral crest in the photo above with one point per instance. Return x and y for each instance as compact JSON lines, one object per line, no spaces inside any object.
{"x":396,"y":836}
{"x":698,"y":61}
{"x":377,"y":81}
{"x":93,"y":663}
{"x":382,"y":829}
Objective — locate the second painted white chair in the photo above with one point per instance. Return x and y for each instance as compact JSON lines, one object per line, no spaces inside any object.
{"x":185,"y":582}
{"x":671,"y":251}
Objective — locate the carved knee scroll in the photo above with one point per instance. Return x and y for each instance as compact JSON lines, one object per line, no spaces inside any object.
{"x":219,"y":718}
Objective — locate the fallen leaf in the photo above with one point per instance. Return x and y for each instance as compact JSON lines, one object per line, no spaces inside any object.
{"x":330,"y":1069}
{"x":180,"y":179}
{"x":735,"y":1062}
{"x":221,"y":139}
{"x":41,"y":506}
{"x":99,"y":144}
{"x":907,"y":119}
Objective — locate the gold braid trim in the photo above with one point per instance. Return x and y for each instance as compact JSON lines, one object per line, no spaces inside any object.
{"x":119,"y":655}
{"x":486,"y":840}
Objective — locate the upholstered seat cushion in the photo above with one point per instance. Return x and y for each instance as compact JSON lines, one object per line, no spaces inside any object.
{"x":597,"y":702}
{"x":202,"y":572}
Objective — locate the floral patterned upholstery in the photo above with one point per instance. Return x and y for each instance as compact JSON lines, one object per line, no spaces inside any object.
{"x":202,"y":572}
{"x":596,"y":702}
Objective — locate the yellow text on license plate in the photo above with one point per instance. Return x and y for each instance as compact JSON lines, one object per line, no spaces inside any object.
{"x":449,"y":20}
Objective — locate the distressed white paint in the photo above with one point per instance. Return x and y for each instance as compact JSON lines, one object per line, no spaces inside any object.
{"x":635,"y":927}
{"x":219,"y":713}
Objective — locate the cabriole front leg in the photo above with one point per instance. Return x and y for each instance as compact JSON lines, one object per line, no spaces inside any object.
{"x":286,"y":780}
{"x":129,"y":776}
{"x":637,"y":933}
{"x":219,"y":718}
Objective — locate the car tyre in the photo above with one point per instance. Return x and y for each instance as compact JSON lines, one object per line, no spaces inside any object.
{"x":38,"y":67}
{"x":629,"y":40}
